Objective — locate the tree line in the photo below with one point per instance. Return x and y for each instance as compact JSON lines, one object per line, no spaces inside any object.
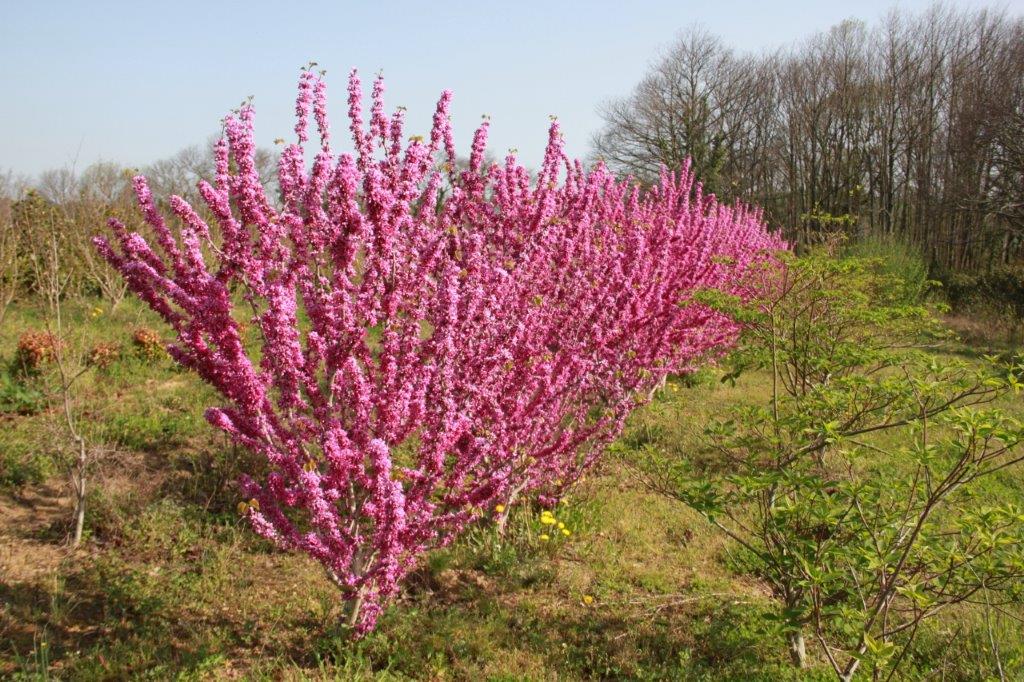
{"x":911,"y":128}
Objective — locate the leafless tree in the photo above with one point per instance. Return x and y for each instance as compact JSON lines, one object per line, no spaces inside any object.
{"x":911,"y":127}
{"x":52,"y":281}
{"x":179,"y":174}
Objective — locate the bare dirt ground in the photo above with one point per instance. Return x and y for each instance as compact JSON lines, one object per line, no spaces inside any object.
{"x":31,"y":524}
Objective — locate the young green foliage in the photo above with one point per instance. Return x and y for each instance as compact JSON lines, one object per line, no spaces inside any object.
{"x":853,"y":491}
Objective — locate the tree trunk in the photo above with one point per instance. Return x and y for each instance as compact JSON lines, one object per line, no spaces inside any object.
{"x":79,"y":510}
{"x":78,"y":481}
{"x":798,"y":649}
{"x":354,"y":607}
{"x":503,"y":516}
{"x":657,"y":387}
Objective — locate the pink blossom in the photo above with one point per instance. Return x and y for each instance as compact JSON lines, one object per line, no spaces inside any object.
{"x":430,"y":343}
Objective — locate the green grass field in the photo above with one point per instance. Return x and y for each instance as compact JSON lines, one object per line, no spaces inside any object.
{"x":170,"y":584}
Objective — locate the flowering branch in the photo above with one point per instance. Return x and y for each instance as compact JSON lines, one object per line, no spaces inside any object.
{"x":431,"y":339}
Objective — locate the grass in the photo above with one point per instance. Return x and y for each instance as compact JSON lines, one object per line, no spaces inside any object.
{"x":171,"y":585}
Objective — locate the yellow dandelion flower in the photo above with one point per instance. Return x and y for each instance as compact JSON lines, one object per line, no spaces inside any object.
{"x":545,"y":537}
{"x":566,"y":532}
{"x":561,"y":525}
{"x":588,"y":600}
{"x":499,"y":508}
{"x":548,"y":520}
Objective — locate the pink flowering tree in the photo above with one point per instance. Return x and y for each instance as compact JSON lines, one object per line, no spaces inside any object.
{"x":433,"y":340}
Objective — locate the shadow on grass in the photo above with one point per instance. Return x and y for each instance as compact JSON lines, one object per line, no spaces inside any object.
{"x":484,"y":629}
{"x":66,"y":615}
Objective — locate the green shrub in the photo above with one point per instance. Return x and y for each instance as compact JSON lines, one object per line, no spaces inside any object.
{"x":992,"y":301}
{"x":857,"y":489}
{"x":896,"y":260}
{"x":17,"y":397}
{"x":1002,"y":288}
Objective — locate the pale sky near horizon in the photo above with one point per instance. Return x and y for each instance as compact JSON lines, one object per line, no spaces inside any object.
{"x":133,"y":82}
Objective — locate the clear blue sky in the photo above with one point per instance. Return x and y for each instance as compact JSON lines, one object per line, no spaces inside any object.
{"x":136,"y":81}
